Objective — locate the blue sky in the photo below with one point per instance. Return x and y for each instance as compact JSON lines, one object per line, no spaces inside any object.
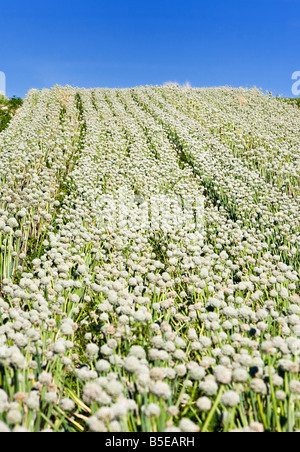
{"x":123,"y":43}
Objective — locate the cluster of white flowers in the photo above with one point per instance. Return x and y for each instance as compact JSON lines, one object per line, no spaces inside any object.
{"x":153,"y":325}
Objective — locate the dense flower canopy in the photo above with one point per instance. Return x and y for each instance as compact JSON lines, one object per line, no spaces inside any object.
{"x":133,"y":325}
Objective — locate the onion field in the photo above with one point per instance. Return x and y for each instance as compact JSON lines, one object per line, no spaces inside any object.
{"x":149,"y":267}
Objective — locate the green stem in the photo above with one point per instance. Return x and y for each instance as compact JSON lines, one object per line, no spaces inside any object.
{"x":212,"y":411}
{"x":261,"y":412}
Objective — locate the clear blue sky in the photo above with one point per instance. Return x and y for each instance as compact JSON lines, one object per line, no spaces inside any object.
{"x":122,"y":43}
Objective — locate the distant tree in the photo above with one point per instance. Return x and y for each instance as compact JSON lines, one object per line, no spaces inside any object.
{"x":8,"y":108}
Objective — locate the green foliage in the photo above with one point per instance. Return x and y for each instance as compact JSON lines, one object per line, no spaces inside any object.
{"x":292,"y":100}
{"x":8,"y":108}
{"x":15,"y":102}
